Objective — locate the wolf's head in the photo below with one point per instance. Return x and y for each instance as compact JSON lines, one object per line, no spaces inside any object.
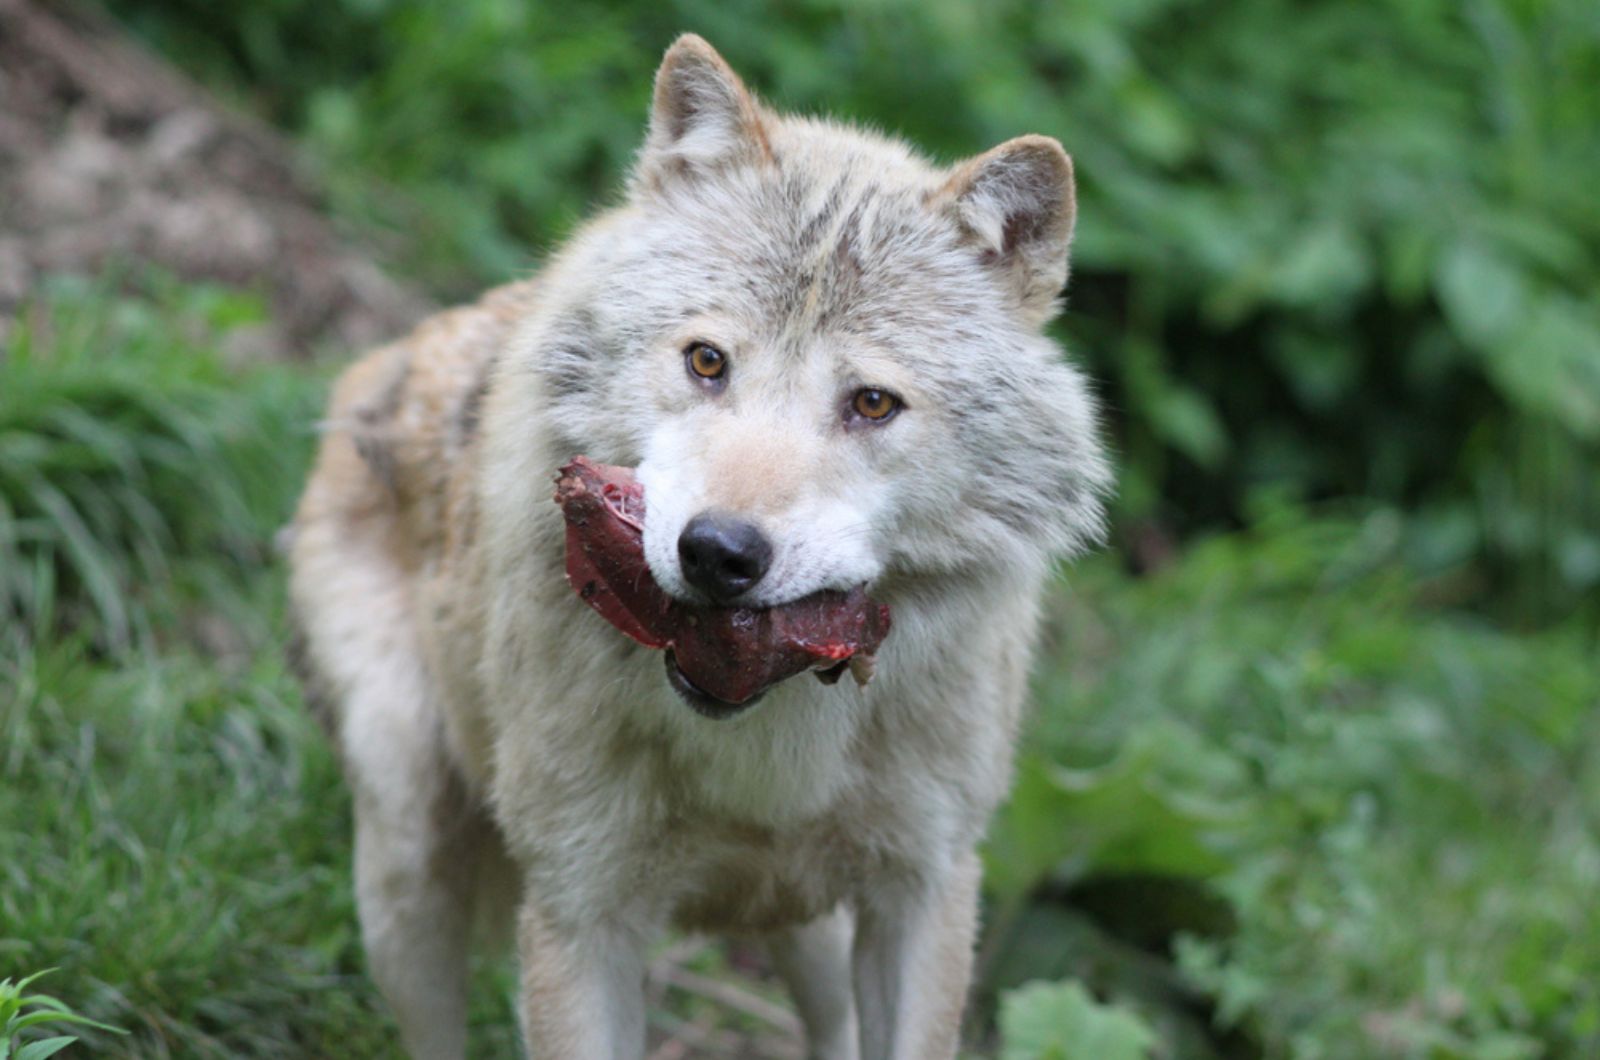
{"x":823,"y":352}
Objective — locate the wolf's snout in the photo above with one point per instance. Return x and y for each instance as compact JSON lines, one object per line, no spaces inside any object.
{"x":723,"y":555}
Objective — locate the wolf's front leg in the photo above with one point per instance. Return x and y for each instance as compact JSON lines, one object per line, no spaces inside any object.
{"x":913,"y":959}
{"x":814,"y":960}
{"x":582,"y":988}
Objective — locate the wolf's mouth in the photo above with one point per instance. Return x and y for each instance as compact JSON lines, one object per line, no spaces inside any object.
{"x":719,"y":659}
{"x":702,"y":702}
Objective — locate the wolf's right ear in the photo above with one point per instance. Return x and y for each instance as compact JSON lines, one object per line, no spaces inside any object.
{"x":702,"y":117}
{"x":1017,"y":203}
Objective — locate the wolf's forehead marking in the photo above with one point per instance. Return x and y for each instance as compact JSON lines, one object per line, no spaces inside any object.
{"x":826,"y":234}
{"x":821,"y":276}
{"x":847,"y":241}
{"x":815,"y":226}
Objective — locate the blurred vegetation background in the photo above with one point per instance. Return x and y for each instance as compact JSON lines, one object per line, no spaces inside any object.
{"x":1315,"y":770}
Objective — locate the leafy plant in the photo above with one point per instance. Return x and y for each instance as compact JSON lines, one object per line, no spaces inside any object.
{"x":1278,"y":722}
{"x":1060,"y":1021}
{"x":20,"y":1012}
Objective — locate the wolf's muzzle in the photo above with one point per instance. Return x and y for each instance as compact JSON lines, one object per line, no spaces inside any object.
{"x":722,"y":555}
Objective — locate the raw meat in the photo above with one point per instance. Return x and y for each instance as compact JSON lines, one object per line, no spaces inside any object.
{"x":729,"y":654}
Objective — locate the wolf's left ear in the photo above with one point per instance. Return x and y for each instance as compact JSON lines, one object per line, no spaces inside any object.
{"x":1017,"y":203}
{"x":702,"y":117}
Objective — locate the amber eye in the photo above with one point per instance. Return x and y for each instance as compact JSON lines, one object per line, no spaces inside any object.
{"x":870,"y":403}
{"x":706,"y":361}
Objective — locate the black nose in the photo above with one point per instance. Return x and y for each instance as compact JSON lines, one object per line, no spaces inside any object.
{"x":723,"y":555}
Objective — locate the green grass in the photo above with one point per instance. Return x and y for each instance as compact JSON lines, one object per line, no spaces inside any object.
{"x":178,"y":805}
{"x":128,"y":453}
{"x":1274,"y":802}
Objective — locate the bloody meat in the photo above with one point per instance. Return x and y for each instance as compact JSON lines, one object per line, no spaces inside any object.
{"x":731,"y":653}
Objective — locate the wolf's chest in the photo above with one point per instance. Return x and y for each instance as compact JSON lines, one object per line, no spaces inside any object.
{"x":738,"y":879}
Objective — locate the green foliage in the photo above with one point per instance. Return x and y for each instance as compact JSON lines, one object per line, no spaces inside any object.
{"x":1398,"y":805}
{"x":1341,"y":249}
{"x":124,"y":447}
{"x":1124,"y":816}
{"x":20,"y":1012}
{"x":1062,"y":1022}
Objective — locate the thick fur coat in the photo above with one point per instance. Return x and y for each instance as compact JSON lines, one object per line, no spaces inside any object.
{"x":502,"y":740}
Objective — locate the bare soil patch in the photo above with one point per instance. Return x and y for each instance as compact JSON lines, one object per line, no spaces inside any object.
{"x":109,"y":158}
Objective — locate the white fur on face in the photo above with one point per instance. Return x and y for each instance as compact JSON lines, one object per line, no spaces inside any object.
{"x":822,"y":533}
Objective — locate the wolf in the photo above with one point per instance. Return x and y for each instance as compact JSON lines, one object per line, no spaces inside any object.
{"x":824,"y":355}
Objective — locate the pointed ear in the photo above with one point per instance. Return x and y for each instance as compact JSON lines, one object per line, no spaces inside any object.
{"x":702,"y":116}
{"x":1016,"y":203}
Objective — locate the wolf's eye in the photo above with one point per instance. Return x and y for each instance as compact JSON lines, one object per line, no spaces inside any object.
{"x":706,"y":361}
{"x":870,"y":403}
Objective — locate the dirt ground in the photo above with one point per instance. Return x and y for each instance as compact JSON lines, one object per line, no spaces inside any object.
{"x":109,"y":158}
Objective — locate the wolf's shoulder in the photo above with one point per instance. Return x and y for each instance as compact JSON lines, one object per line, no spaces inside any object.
{"x":403,"y":419}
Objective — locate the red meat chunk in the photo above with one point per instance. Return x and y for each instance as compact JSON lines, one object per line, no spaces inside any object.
{"x":730,"y":653}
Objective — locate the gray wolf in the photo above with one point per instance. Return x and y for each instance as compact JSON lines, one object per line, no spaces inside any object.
{"x":831,"y":351}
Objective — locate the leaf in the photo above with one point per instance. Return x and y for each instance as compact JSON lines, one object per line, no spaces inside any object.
{"x":1129,"y":815}
{"x":1060,"y":1021}
{"x":1187,"y":421}
{"x":23,"y":983}
{"x":44,"y":1047}
{"x":1325,"y":264}
{"x":1484,"y":294}
{"x":1177,"y":413}
{"x":56,"y":1012}
{"x":33,"y":1019}
{"x":1551,"y":364}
